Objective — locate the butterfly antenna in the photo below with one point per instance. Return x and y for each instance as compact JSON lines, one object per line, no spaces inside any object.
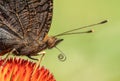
{"x":61,"y":56}
{"x":69,"y":32}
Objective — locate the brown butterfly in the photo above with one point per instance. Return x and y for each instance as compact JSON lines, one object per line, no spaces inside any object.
{"x":24,"y":26}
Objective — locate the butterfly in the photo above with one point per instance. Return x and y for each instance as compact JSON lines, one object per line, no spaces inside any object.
{"x":24,"y":27}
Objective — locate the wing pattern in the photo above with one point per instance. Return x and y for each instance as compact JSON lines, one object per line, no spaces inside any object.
{"x":26,"y":18}
{"x":23,"y":19}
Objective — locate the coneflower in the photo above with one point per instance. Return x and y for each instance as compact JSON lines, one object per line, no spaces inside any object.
{"x":16,"y":69}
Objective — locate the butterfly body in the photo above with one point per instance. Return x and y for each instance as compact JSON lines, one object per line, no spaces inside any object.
{"x":24,"y":26}
{"x":33,"y":47}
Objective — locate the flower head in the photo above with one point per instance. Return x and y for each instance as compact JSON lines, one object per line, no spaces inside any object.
{"x":23,"y":70}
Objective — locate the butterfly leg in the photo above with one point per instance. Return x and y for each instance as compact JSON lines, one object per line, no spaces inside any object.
{"x":39,"y":61}
{"x":32,"y":57}
{"x":7,"y":56}
{"x":41,"y":53}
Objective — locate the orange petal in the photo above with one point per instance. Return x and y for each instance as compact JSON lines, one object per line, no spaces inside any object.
{"x":22,"y":70}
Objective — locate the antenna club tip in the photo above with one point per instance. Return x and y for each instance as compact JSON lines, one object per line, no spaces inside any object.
{"x":105,"y":21}
{"x":90,"y":31}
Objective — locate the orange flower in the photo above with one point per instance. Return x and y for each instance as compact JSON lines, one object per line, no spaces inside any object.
{"x":23,"y":70}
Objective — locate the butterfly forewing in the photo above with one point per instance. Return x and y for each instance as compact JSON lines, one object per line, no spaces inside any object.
{"x":28,"y":18}
{"x":24,"y":19}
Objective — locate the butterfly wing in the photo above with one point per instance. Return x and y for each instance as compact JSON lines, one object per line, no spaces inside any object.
{"x":20,"y":19}
{"x":27,"y":18}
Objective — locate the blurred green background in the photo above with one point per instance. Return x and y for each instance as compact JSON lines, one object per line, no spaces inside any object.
{"x":90,"y":57}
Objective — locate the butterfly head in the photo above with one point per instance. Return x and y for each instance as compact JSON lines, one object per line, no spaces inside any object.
{"x":53,"y":41}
